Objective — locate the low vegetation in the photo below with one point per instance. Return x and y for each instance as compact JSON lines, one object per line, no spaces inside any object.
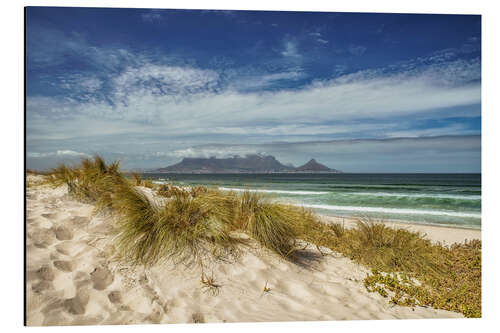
{"x":92,"y":181}
{"x":188,"y":224}
{"x":148,"y":183}
{"x":181,"y":228}
{"x":406,"y":267}
{"x":136,"y":179}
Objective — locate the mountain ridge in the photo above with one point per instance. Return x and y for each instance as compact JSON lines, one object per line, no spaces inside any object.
{"x":252,"y":163}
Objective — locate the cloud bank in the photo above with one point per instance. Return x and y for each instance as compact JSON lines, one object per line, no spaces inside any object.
{"x":151,"y":108}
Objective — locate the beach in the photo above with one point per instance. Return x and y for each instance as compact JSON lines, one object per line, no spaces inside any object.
{"x":72,"y":278}
{"x":436,"y":234}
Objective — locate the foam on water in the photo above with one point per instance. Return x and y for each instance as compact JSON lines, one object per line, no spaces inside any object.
{"x":392,"y":210}
{"x":272,"y":191}
{"x":412,"y":195}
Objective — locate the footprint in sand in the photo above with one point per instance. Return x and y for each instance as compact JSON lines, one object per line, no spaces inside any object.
{"x":72,"y":248}
{"x":115,"y":297}
{"x":81,"y":279}
{"x":101,"y":278}
{"x":80,"y":221}
{"x":42,"y":238}
{"x":63,"y":265}
{"x":63,"y":233}
{"x":78,"y":304}
{"x":151,"y":293}
{"x":41,"y":286}
{"x":50,"y":216}
{"x":46,"y":273}
{"x":198,"y":318}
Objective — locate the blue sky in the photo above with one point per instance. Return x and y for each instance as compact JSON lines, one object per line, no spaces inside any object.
{"x":358,"y":92}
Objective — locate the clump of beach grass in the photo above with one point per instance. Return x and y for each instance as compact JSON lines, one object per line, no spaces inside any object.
{"x":182,"y":228}
{"x":271,"y":224}
{"x":137,"y":179}
{"x":148,"y":183}
{"x":93,"y":181}
{"x":168,"y":191}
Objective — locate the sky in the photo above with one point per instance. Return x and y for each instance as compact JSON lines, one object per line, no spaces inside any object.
{"x":359,"y":92}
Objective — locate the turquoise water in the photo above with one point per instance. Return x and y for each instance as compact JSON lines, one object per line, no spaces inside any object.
{"x":445,"y":199}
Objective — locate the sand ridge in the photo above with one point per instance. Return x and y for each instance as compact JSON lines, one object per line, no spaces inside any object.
{"x":73,"y":279}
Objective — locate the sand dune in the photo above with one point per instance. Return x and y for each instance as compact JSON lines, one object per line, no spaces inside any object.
{"x":72,"y":279}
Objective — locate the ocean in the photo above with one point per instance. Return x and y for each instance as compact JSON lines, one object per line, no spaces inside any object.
{"x":442,"y":199}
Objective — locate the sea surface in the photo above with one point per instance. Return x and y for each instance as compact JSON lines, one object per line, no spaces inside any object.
{"x":443,"y":199}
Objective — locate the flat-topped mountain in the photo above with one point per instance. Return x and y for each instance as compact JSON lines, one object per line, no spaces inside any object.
{"x":249,"y":164}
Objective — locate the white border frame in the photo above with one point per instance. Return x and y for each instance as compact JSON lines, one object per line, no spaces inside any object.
{"x":13,"y":143}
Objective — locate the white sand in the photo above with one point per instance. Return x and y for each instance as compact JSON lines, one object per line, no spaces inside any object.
{"x":435,"y":233}
{"x":72,"y":280}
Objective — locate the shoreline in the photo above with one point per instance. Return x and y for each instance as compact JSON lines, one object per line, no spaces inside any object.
{"x":404,"y":222}
{"x":435,"y":233}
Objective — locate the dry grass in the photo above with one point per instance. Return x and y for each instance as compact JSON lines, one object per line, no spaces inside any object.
{"x":168,"y":191}
{"x":271,"y":224}
{"x":93,"y":181}
{"x":266,"y":289}
{"x":148,"y":183}
{"x":406,"y":266}
{"x":34,"y":172}
{"x":136,"y":179}
{"x":209,"y":284}
{"x":181,"y":228}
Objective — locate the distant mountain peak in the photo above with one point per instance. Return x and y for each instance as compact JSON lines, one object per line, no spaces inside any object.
{"x":251,"y":163}
{"x":312,"y":165}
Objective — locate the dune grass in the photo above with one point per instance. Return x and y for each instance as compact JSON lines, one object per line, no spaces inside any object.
{"x":189,"y":224}
{"x":181,"y":228}
{"x":405,"y":266}
{"x":271,"y":224}
{"x":93,"y":181}
{"x":148,"y":183}
{"x":136,"y":179}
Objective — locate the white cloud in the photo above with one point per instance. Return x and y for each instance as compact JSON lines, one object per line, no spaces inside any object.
{"x":291,"y":50}
{"x":59,"y":153}
{"x":257,"y":81}
{"x":222,"y":152}
{"x":163,"y":79}
{"x":91,"y":84}
{"x":197,"y":109}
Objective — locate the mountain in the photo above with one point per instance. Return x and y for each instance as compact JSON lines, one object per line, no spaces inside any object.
{"x":314,"y":166}
{"x":237,"y":164}
{"x":248,"y":164}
